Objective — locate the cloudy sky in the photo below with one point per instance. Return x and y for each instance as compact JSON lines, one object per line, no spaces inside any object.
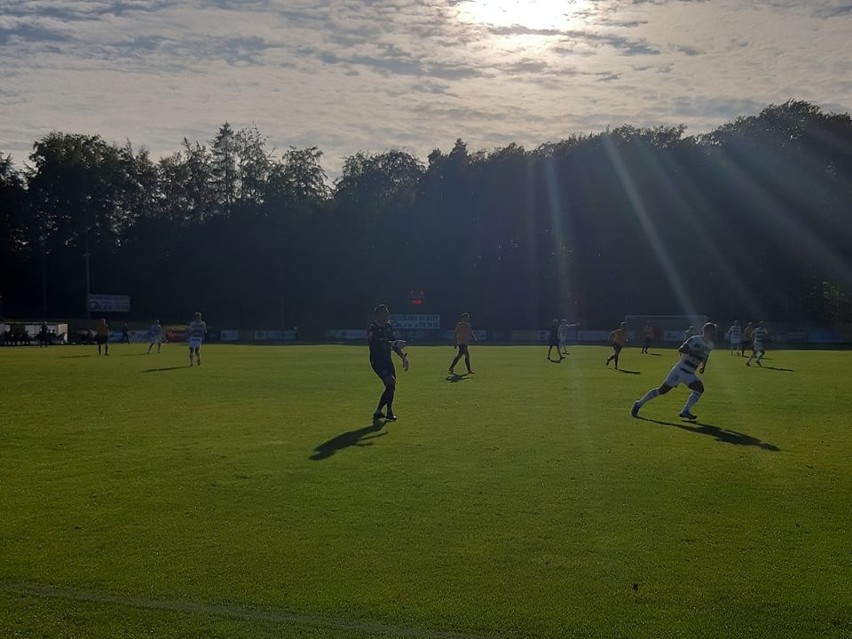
{"x":373,"y":75}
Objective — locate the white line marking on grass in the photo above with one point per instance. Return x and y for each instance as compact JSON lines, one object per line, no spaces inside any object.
{"x":224,"y":610}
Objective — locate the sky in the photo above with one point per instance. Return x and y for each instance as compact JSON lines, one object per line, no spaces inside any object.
{"x":351,"y":76}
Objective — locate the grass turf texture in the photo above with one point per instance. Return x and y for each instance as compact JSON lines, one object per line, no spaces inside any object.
{"x":253,"y":497}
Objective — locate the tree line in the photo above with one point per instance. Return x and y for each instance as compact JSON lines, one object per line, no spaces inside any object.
{"x":752,"y":220}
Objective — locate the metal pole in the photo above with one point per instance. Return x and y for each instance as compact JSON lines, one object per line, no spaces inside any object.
{"x":43,"y":282}
{"x":88,"y":312}
{"x":88,"y":289}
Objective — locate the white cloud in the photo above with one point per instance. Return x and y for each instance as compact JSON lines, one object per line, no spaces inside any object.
{"x":348,"y":76}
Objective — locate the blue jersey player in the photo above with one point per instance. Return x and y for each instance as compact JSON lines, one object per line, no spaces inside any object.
{"x":382,"y":343}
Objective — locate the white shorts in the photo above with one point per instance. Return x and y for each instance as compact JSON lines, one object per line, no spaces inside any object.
{"x":156,"y":340}
{"x":757,"y":346}
{"x":678,"y":375}
{"x":195,"y":342}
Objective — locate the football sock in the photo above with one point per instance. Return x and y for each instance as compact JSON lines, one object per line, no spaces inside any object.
{"x":693,"y":398}
{"x":387,"y":398}
{"x":651,"y":394}
{"x":389,"y":391}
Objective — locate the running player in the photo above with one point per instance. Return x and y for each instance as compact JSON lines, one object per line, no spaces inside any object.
{"x":382,"y":342}
{"x":195,"y":334}
{"x":735,"y":336}
{"x":694,"y":353}
{"x":463,"y":335}
{"x":155,"y":336}
{"x":564,"y":331}
{"x":748,"y":337}
{"x":648,"y":334}
{"x":553,"y":340}
{"x":43,"y":335}
{"x":102,"y":336}
{"x":758,"y":350}
{"x":618,"y":338}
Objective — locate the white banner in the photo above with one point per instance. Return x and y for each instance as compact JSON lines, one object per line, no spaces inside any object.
{"x":109,"y":303}
{"x":405,"y":321}
{"x":228,"y":335}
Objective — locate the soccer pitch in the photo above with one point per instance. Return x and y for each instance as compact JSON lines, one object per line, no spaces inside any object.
{"x":252,"y":497}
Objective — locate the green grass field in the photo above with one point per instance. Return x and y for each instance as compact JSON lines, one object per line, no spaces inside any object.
{"x":253,"y":498}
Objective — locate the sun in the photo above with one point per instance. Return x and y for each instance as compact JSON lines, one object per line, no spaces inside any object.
{"x":529,"y":14}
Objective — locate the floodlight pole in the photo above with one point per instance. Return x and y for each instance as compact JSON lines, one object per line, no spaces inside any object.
{"x":43,"y":281}
{"x":86,"y":255}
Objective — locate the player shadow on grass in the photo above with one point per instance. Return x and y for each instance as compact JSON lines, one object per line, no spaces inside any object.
{"x":456,"y":377}
{"x":629,"y":372}
{"x":776,"y":368}
{"x":350,"y":438}
{"x":718,"y":433}
{"x":167,"y":368}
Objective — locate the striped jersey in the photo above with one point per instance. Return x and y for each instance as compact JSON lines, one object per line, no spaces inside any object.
{"x":760,"y":334}
{"x":156,"y":330}
{"x":735,"y":333}
{"x":694,"y":352}
{"x":197,"y":328}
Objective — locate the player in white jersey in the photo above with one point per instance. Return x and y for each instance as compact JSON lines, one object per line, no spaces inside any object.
{"x":693,"y":355}
{"x":155,"y":336}
{"x":758,"y":350}
{"x":195,"y":333}
{"x":735,"y":336}
{"x":564,"y":332}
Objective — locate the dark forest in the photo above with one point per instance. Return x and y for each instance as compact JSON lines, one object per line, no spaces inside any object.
{"x":753,"y":219}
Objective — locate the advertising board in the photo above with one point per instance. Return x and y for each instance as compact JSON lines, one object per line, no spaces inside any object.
{"x":99,"y":303}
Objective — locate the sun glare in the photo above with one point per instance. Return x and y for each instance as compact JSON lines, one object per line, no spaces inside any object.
{"x":529,"y":14}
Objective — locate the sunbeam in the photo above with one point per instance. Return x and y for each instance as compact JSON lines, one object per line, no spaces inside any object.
{"x":561,"y":241}
{"x":670,"y":269}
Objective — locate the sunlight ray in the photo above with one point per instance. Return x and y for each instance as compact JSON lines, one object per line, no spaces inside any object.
{"x":688,"y":201}
{"x":562,"y":244}
{"x":775,"y":207}
{"x":670,"y":269}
